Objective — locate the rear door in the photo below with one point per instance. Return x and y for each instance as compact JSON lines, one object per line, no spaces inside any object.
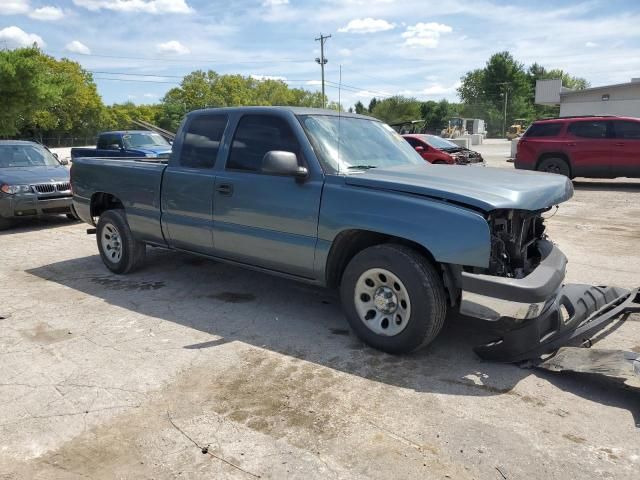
{"x":188,"y":183}
{"x":589,"y":144}
{"x":625,"y":157}
{"x":263,"y":219}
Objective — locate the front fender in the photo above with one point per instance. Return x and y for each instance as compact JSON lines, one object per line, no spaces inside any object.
{"x":453,"y":234}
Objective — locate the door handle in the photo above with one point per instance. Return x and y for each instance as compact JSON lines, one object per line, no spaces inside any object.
{"x":619,"y":144}
{"x":571,"y":144}
{"x":225,"y":189}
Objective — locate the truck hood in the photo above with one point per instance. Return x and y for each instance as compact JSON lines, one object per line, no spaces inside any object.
{"x":33,"y":175}
{"x":483,"y":188}
{"x":151,"y":150}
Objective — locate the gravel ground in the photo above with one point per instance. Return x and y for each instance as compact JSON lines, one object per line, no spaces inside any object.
{"x":196,"y":369}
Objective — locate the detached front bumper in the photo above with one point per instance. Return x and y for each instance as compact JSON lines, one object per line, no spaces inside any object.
{"x":537,"y":314}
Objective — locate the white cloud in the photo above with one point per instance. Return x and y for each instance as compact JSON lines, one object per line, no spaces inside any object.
{"x":314,"y":82}
{"x":16,"y":37}
{"x":425,"y":34}
{"x":14,"y":7}
{"x":274,"y":3}
{"x":366,"y":25}
{"x":268,"y":77}
{"x":77,"y":47}
{"x":47,"y":14}
{"x":147,"y":6}
{"x":172,"y":46}
{"x":590,"y":44}
{"x":150,"y":95}
{"x":344,"y":52}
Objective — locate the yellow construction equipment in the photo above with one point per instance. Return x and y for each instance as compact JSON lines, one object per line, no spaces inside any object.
{"x":454,"y":129}
{"x":517,"y":129}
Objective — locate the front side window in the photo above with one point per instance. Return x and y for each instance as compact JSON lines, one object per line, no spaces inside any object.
{"x":543,"y":130}
{"x":348,"y":144}
{"x":26,"y":156}
{"x":142,"y":140}
{"x":255,"y":136}
{"x":202,"y":141}
{"x":627,"y":129}
{"x":591,"y":129}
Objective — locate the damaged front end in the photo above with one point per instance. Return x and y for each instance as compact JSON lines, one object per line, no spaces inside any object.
{"x":523,"y":292}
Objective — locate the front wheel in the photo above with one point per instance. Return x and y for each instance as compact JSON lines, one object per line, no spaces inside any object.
{"x":119,"y":250}
{"x":5,"y":223}
{"x":394,"y":298}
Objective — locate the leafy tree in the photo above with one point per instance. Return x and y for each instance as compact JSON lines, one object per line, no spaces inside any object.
{"x":435,"y":114}
{"x":359,"y":107}
{"x":397,"y":109}
{"x":372,"y":104}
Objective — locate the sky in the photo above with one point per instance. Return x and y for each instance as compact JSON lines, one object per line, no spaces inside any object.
{"x":139,"y":49}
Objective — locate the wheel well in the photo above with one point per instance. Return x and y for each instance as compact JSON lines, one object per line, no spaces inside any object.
{"x":101,"y":202}
{"x":563,"y":156}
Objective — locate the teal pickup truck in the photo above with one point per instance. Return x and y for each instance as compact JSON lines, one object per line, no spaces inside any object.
{"x":343,"y":201}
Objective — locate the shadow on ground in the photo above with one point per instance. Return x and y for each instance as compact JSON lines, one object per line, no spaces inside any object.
{"x":607,"y":186}
{"x":307,"y":323}
{"x":33,"y":224}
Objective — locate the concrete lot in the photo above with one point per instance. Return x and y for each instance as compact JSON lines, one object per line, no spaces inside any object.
{"x":104,"y":376}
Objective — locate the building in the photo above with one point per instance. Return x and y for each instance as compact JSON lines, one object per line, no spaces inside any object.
{"x":622,"y":99}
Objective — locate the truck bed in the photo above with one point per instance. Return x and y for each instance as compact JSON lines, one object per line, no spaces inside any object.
{"x":136,"y":181}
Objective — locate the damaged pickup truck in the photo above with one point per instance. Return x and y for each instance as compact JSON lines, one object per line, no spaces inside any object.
{"x":343,"y":201}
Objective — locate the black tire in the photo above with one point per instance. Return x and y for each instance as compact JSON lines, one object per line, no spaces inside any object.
{"x":555,"y":165}
{"x":131,"y":253}
{"x":424,"y":288}
{"x":5,"y":223}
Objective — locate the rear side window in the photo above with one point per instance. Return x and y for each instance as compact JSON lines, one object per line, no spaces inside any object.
{"x":543,"y":130}
{"x":627,"y":130}
{"x":108,"y":140}
{"x":593,"y":129}
{"x":257,"y":135}
{"x":202,"y":141}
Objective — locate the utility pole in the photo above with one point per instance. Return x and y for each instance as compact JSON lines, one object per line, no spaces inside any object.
{"x":322,"y":61}
{"x":506,"y":98}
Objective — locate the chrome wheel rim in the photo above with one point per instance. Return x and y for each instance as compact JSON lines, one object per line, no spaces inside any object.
{"x":382,"y":302}
{"x":111,"y":243}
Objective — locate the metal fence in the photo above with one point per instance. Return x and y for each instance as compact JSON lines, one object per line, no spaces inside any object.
{"x":57,"y":142}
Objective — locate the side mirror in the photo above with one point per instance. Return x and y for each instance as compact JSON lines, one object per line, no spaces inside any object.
{"x":419,"y":149}
{"x":64,"y":161}
{"x":113,"y":146}
{"x":283,"y":163}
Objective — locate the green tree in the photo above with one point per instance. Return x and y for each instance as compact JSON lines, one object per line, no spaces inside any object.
{"x":397,"y":109}
{"x":359,"y":107}
{"x":435,"y":114}
{"x":372,"y":104}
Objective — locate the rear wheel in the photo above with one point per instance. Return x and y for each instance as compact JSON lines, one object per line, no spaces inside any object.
{"x":120,"y":252}
{"x":555,"y":165}
{"x":393,"y":298}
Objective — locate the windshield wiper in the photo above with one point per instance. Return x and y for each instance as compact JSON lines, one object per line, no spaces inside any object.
{"x":361,"y":167}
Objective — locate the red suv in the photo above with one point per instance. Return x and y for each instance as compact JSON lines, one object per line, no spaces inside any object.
{"x":592,"y":146}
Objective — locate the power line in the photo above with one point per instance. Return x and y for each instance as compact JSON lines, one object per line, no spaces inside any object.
{"x":189,"y":60}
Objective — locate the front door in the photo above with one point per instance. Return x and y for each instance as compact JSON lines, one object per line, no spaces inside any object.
{"x":625,"y":155}
{"x":263,"y":219}
{"x":188,"y":185}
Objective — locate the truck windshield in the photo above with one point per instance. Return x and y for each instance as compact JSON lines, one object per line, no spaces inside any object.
{"x":26,"y":156}
{"x":141,"y":140}
{"x":348,"y":144}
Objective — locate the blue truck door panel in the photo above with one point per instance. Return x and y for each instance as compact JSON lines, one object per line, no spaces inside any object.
{"x":260,"y":219}
{"x":187,"y":208}
{"x":265,"y":220}
{"x":187,"y":188}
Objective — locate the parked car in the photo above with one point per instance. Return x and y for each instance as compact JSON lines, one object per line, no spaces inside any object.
{"x":592,"y":146}
{"x":342,"y":201}
{"x":435,"y":149}
{"x":133,"y":143}
{"x":33,"y":182}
